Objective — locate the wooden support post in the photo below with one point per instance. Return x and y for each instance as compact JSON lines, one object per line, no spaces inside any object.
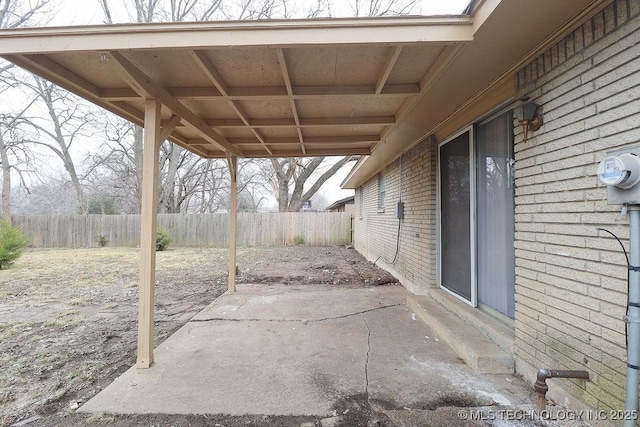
{"x":233,"y":220}
{"x":148,"y":230}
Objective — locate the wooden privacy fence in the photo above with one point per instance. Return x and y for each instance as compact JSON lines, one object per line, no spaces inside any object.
{"x":195,"y":230}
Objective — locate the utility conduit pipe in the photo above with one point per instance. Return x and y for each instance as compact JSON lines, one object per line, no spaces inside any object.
{"x":633,"y":320}
{"x":542,"y":388}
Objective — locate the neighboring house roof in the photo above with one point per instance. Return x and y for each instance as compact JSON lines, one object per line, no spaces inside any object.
{"x":346,"y":201}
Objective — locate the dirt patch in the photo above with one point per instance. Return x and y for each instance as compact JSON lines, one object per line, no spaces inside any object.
{"x":323,"y":265}
{"x":69,"y":322}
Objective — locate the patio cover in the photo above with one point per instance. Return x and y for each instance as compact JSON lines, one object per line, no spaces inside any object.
{"x":369,"y":87}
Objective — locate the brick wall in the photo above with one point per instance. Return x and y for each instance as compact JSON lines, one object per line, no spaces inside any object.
{"x":376,"y":232}
{"x":570,"y":278}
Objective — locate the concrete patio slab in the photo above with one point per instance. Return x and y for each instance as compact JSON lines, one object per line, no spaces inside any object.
{"x":302,"y":350}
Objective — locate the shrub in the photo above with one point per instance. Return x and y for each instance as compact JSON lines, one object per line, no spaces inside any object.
{"x":12,"y":243}
{"x":298,"y":239}
{"x":102,"y":241}
{"x":162,"y":240}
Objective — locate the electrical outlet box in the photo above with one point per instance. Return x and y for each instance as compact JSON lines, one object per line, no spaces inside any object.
{"x":399,"y":210}
{"x":617,"y":195}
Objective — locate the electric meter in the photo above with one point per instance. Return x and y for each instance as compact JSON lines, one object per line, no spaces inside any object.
{"x":622,"y":171}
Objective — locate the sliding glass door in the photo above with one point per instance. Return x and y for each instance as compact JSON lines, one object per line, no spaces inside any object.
{"x":455,"y":217}
{"x":495,"y":214}
{"x":476,"y":215}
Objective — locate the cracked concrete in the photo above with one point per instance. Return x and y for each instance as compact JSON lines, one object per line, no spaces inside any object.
{"x":302,"y":350}
{"x":366,"y":364}
{"x":344,"y":316}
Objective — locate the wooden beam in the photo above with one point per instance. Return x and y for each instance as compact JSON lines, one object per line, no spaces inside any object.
{"x":330,"y":139}
{"x":304,"y":92}
{"x":347,"y":121}
{"x":233,"y":221}
{"x":169,"y":126}
{"x":313,"y":152}
{"x":209,"y":70}
{"x":274,"y":92}
{"x":350,"y":139}
{"x":212,"y":74}
{"x":149,"y":213}
{"x":304,"y":122}
{"x":388,"y":67}
{"x":259,"y":154}
{"x":146,"y":87}
{"x":292,"y":102}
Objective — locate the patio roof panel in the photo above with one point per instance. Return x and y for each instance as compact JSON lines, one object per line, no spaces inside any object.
{"x":342,"y":65}
{"x":266,"y":108}
{"x":273,"y":132}
{"x":246,"y":67}
{"x":232,"y":133}
{"x":344,"y":107}
{"x":169,"y":68}
{"x":212,"y":108}
{"x":413,"y":63}
{"x":90,"y":67}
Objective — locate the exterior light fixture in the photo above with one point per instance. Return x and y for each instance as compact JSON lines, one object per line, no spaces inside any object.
{"x":526,"y":114}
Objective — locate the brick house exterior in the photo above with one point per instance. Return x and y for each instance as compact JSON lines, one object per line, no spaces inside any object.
{"x":570,"y":278}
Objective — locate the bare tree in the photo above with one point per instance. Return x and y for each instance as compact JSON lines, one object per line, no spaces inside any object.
{"x":142,"y":11}
{"x":13,"y":153}
{"x":383,"y":7}
{"x":52,"y":195}
{"x":15,"y":156}
{"x":288,"y":178}
{"x":117,"y":164}
{"x":199,"y":185}
{"x":67,"y":119}
{"x":185,"y":10}
{"x":18,"y":13}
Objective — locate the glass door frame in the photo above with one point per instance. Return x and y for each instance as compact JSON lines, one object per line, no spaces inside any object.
{"x":472,"y":215}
